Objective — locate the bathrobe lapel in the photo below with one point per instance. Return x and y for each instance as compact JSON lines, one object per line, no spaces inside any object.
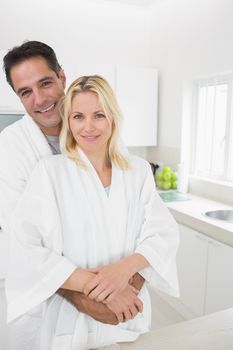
{"x":110,"y":210}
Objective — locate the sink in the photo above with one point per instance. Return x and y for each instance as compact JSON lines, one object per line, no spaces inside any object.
{"x":224,"y":215}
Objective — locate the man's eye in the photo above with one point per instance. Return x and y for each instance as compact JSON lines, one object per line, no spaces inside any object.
{"x":25,"y":93}
{"x":46,"y":83}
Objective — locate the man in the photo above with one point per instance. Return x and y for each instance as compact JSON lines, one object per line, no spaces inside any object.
{"x":36,"y":77}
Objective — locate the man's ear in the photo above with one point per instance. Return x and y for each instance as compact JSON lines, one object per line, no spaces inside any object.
{"x":62,"y":77}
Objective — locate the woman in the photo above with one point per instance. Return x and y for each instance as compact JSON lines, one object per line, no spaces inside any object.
{"x":88,"y":221}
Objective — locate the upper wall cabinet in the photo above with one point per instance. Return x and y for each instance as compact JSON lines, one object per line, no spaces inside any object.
{"x":137,"y":93}
{"x":9,"y":102}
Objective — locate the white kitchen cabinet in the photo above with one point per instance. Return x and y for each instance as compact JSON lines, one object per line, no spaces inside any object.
{"x":4,"y":248}
{"x":205,"y":275}
{"x":192,"y":265}
{"x":4,"y":329}
{"x":137,"y":93}
{"x":219,"y":282}
{"x":204,"y":272}
{"x":9,"y":102}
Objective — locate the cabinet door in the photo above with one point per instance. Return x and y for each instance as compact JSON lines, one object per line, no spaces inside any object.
{"x":137,"y":90}
{"x":192,"y":264}
{"x":4,"y":251}
{"x":9,"y":102}
{"x":219,"y":288}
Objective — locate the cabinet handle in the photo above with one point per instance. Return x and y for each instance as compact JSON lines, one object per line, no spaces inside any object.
{"x":201,"y":238}
{"x":215,"y":244}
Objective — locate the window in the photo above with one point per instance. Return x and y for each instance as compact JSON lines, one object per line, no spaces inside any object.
{"x":212,"y":148}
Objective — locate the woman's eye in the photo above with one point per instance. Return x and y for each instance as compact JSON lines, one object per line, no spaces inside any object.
{"x":78,"y":116}
{"x":100,"y":116}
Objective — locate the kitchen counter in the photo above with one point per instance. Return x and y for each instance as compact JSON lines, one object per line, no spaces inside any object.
{"x":211,"y":332}
{"x":190,"y":213}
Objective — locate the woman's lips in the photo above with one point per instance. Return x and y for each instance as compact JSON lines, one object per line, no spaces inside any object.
{"x":90,"y":137}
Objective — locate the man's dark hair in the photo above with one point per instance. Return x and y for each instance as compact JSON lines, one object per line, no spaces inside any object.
{"x":28,"y":50}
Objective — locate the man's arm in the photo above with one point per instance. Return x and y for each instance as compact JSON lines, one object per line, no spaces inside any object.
{"x":98,"y":311}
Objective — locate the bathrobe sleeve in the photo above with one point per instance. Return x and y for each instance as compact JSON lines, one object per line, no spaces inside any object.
{"x":12,"y":175}
{"x":159,"y":238}
{"x":37,"y":268}
{"x":22,"y":145}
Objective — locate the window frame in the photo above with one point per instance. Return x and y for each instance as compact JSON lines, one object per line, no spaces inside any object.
{"x":213,"y":80}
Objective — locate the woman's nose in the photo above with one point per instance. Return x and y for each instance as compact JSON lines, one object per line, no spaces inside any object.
{"x":89,"y":125}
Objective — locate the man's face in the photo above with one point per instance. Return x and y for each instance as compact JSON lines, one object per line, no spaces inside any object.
{"x":39,"y":89}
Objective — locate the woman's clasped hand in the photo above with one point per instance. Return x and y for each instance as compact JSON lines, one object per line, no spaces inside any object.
{"x":111,"y":286}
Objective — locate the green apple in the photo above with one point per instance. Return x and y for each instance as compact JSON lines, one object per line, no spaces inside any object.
{"x":166,"y":185}
{"x":174,"y":185}
{"x":166,"y":169}
{"x":173,"y":176}
{"x":159,"y":176}
{"x":167,"y":176}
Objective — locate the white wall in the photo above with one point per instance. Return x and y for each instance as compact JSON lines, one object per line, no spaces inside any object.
{"x":188,"y":38}
{"x":93,"y":30}
{"x":181,"y":38}
{"x":86,"y":30}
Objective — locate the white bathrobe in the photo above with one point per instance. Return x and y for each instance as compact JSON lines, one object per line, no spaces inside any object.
{"x":22,"y":145}
{"x":65,"y":219}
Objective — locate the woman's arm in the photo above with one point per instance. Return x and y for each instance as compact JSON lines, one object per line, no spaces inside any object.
{"x":158,"y":240}
{"x":78,"y":279}
{"x":113,"y":279}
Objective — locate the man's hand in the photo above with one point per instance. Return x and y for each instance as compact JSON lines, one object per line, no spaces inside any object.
{"x":98,"y":311}
{"x":126,"y":304}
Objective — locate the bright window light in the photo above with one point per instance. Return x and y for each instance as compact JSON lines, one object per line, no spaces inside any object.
{"x":213,"y":128}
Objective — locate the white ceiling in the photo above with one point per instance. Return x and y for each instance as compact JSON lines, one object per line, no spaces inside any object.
{"x":136,"y":2}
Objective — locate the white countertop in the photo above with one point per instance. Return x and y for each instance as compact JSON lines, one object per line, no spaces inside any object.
{"x":211,"y":332}
{"x":190,"y":213}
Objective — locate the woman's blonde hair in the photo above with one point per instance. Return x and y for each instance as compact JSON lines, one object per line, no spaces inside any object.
{"x":107,"y":99}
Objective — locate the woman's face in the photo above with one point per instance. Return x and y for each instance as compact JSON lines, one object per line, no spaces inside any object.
{"x":88,"y":123}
